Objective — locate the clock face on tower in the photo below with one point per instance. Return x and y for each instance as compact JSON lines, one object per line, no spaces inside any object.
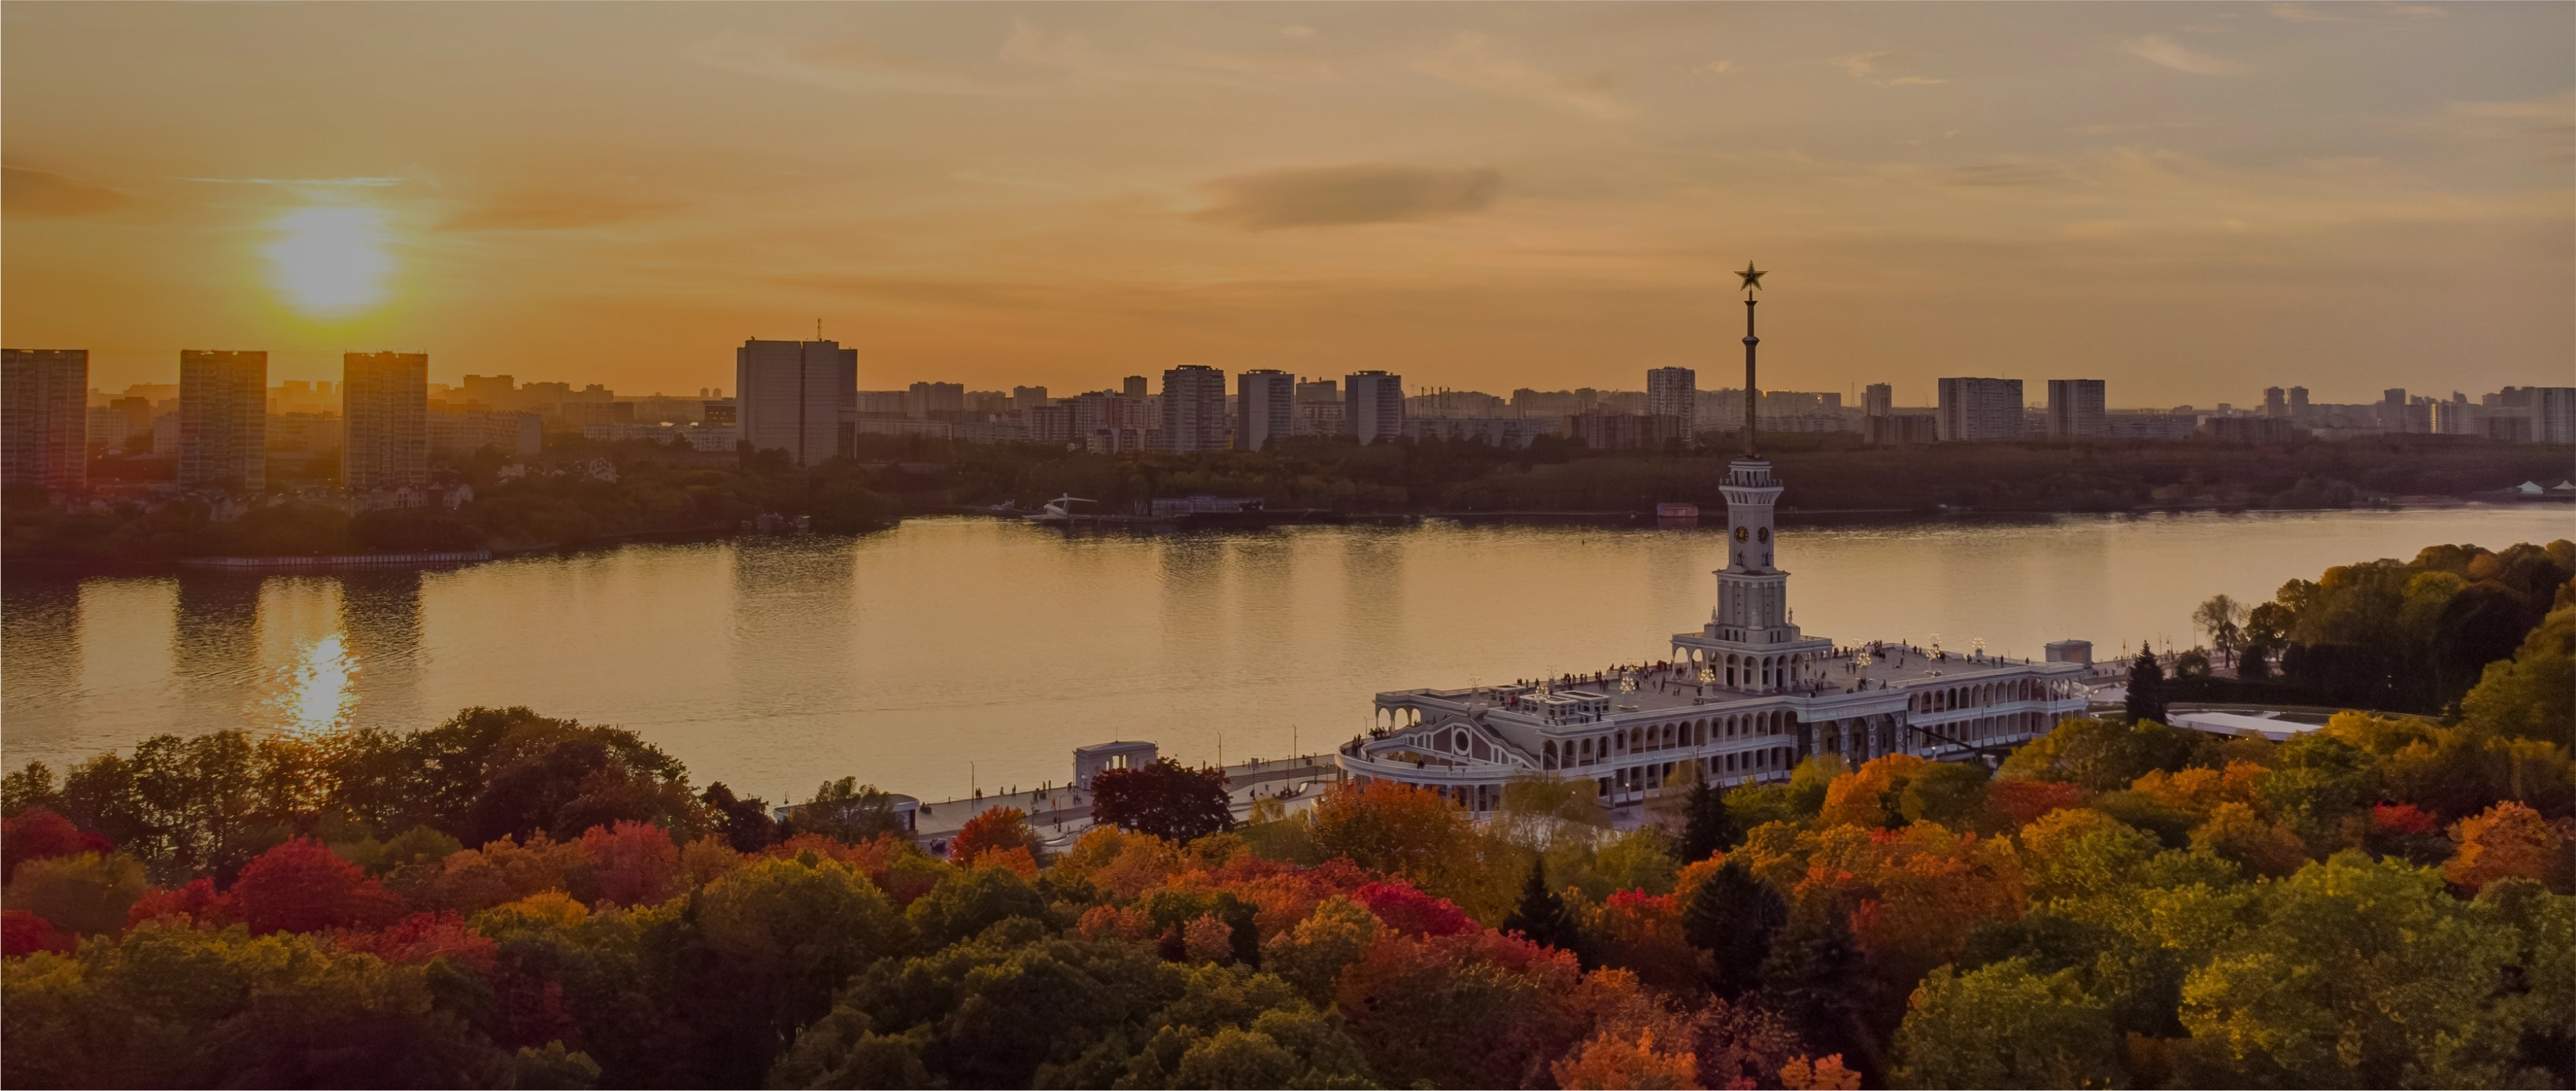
{"x":1739,"y":534}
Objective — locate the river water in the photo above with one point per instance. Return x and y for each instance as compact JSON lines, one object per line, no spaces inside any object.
{"x":958,"y":651}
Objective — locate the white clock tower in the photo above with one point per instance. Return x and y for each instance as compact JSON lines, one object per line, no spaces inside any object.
{"x":1749,"y":642}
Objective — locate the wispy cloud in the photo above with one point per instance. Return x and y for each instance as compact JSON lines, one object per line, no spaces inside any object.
{"x":302,"y":182}
{"x":550,"y":211}
{"x":2350,"y":13}
{"x":851,"y":64}
{"x":2165,"y":51}
{"x":1470,"y":60}
{"x":1865,"y":65}
{"x":1358,"y":194}
{"x":28,"y":193}
{"x":2110,"y":127}
{"x":2303,"y":13}
{"x":1862,"y":64}
{"x":1084,"y":63}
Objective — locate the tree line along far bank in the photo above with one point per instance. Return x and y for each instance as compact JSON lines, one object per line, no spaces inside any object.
{"x":556,"y":499}
{"x":508,"y":899}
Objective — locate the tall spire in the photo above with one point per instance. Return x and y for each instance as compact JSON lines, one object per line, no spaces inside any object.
{"x":1752,"y":393}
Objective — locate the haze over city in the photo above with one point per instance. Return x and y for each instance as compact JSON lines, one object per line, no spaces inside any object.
{"x":2194,"y":201}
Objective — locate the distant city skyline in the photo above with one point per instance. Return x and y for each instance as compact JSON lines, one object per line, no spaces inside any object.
{"x":2183,"y":200}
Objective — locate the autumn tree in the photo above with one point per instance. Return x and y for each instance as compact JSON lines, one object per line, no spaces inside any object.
{"x":846,"y":811}
{"x":1390,"y":827}
{"x":88,"y":894}
{"x":2510,"y":839}
{"x":972,"y":900}
{"x":38,"y":833}
{"x":2003,"y":1026}
{"x":634,"y":863}
{"x":1165,"y":799}
{"x":744,"y":823}
{"x":2533,"y":694}
{"x":1477,"y":1009}
{"x":779,"y":937}
{"x":1000,"y":829}
{"x":1612,"y":1060}
{"x":2359,"y":973}
{"x":2222,"y":619}
{"x":301,"y":886}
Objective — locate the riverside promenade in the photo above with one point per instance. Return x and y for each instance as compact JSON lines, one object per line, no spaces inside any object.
{"x":1061,"y":813}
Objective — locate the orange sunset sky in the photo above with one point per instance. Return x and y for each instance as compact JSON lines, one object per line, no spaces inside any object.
{"x":2191,"y":201}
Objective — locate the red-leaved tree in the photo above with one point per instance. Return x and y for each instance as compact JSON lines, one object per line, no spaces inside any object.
{"x":40,"y":833}
{"x":24,"y":933}
{"x":635,"y":863}
{"x":1411,"y":911}
{"x":301,"y":886}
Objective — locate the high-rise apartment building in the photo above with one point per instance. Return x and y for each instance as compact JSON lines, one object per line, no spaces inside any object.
{"x":801,"y":397}
{"x":1877,"y":400}
{"x":2276,"y":402}
{"x":44,"y":418}
{"x":2076,"y":410}
{"x":493,"y":391}
{"x":2392,"y":409}
{"x":1373,"y":405}
{"x":1134,"y":387}
{"x":2298,"y":401}
{"x":1193,"y":409}
{"x":1265,"y":407}
{"x":2534,"y":414}
{"x":925,"y":399}
{"x":223,"y":421}
{"x":1674,"y":392}
{"x":1979,"y":410}
{"x":384,"y":410}
{"x":1025,"y":398}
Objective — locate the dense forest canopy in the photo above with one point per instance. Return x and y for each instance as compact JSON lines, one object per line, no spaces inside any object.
{"x":512,"y":900}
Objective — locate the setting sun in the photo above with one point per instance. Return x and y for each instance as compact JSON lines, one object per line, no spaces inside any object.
{"x":330,"y":261}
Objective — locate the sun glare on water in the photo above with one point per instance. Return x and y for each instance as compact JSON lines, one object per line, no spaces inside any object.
{"x":329,"y":261}
{"x":316,"y":694}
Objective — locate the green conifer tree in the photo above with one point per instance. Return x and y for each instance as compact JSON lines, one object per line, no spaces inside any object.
{"x":1813,"y":978}
{"x":1708,"y":828}
{"x":2146,"y":688}
{"x":1542,"y":916}
{"x":1733,"y":916}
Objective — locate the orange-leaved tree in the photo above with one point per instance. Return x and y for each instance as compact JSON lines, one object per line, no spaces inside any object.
{"x":2510,"y":839}
{"x":998,"y":830}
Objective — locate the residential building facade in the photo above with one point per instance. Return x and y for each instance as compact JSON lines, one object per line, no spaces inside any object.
{"x":44,"y":418}
{"x":223,"y":421}
{"x":1674,"y":392}
{"x":1373,"y":405}
{"x":1265,"y":406}
{"x":1193,"y":409}
{"x":1979,"y":410}
{"x":384,"y":416}
{"x":2075,"y":409}
{"x":800,"y":397}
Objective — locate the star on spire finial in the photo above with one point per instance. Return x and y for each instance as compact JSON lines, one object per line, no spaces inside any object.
{"x":1752,"y":276}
